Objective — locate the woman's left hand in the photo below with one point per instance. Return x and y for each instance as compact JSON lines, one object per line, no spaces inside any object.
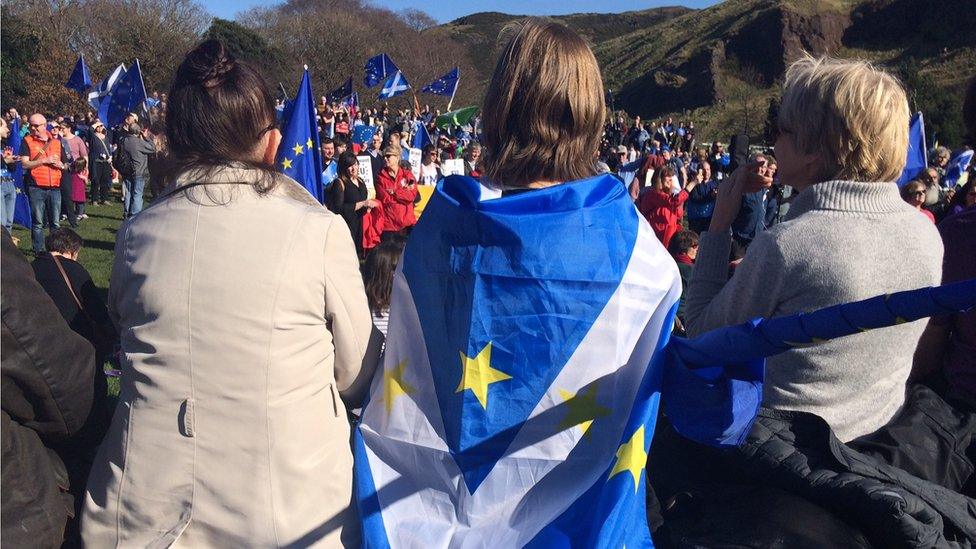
{"x":744,"y":180}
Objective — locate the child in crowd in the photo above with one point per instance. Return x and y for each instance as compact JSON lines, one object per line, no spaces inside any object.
{"x":79,"y":182}
{"x":380,"y":265}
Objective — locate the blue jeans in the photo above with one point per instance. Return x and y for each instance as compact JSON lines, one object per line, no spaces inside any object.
{"x":134,"y":186}
{"x":9,"y":203}
{"x":41,"y":200}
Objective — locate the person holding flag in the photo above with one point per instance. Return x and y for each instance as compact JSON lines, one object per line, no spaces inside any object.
{"x":519,"y":392}
{"x":246,"y":334}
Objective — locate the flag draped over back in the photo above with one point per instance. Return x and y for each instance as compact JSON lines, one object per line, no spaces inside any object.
{"x":445,"y":85}
{"x":916,"y":160}
{"x":298,"y":155}
{"x":22,"y":210}
{"x":101,"y":91}
{"x":341,"y":92}
{"x":956,"y":167}
{"x":79,"y":80}
{"x":128,"y":94}
{"x":394,"y":86}
{"x":519,"y":392}
{"x":378,"y":68}
{"x":459,"y":117}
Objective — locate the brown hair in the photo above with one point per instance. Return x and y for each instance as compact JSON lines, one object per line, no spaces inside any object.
{"x":544,"y":108}
{"x":217,"y":111}
{"x":381,"y":263}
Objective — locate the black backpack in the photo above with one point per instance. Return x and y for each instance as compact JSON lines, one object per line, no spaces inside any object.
{"x":122,"y":160}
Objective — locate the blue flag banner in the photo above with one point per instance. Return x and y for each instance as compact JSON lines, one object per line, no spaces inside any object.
{"x":378,"y":68}
{"x":519,"y":391}
{"x":22,"y":210}
{"x":362,"y":134}
{"x":421,"y":137}
{"x":341,"y":92}
{"x":445,"y":85}
{"x":79,"y":80}
{"x":395,"y":85}
{"x":101,"y":91}
{"x":127,"y":95}
{"x":916,"y":160}
{"x":956,"y":167}
{"x":298,"y":155}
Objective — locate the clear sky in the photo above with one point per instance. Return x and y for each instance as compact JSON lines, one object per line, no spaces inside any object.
{"x":447,"y":10}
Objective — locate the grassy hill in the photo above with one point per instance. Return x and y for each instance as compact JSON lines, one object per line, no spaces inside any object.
{"x":723,"y":65}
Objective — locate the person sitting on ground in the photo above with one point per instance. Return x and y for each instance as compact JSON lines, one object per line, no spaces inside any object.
{"x":913,"y":193}
{"x":843,"y":162}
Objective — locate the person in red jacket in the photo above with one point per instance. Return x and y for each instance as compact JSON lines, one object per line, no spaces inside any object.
{"x":396,"y":190}
{"x":661,"y":207}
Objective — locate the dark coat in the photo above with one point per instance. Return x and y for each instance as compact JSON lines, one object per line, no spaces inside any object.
{"x":47,"y":373}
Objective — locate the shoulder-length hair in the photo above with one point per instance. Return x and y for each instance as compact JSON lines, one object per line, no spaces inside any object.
{"x":544,"y":108}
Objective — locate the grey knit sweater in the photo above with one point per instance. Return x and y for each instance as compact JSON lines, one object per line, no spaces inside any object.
{"x":842,"y":241}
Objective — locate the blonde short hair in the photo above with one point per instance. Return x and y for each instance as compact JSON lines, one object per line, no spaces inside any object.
{"x":544,"y":108}
{"x":854,"y":113}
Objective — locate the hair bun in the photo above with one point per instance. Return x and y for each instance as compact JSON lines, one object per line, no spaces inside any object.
{"x":207,"y":65}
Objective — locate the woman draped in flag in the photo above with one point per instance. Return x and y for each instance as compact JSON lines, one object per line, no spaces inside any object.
{"x":523,"y":368}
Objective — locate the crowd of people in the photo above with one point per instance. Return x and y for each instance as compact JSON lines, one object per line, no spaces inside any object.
{"x":243,"y":346}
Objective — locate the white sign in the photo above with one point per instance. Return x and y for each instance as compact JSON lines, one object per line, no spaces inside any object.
{"x":366,"y":170}
{"x":414,"y":158}
{"x":452,"y":167}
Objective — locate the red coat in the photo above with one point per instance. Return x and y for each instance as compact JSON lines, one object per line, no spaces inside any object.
{"x":664,"y":212}
{"x":397,"y":195}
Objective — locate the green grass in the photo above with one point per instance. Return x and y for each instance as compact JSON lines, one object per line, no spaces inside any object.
{"x":97,"y":255}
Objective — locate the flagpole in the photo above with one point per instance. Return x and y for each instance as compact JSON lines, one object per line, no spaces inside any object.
{"x":456,"y":84}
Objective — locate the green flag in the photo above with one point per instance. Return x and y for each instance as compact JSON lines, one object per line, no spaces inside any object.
{"x":459,"y":117}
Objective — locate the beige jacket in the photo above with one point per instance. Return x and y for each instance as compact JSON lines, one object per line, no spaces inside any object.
{"x":245,"y":333}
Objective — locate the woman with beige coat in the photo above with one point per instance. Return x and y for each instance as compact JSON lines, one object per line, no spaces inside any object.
{"x":245,"y":333}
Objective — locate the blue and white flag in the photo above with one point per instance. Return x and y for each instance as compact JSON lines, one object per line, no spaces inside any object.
{"x":445,"y":85}
{"x":378,"y":68}
{"x":956,"y":167}
{"x":79,"y":80}
{"x":363,"y":133}
{"x":128,"y":94}
{"x":341,"y":92}
{"x":299,"y":154}
{"x":916,"y":160}
{"x":22,"y":209}
{"x":421,"y":137}
{"x":519,"y":391}
{"x":394,"y":86}
{"x":96,"y":95}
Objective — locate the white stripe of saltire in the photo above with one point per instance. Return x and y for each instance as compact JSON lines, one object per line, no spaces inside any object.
{"x":530,"y":487}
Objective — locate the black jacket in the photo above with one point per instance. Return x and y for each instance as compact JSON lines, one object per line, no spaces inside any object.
{"x":47,"y":373}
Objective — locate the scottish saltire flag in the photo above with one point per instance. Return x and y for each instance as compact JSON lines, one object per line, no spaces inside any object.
{"x":445,"y":85}
{"x":96,"y":95}
{"x":916,"y":160}
{"x":152,"y":102}
{"x":298,"y":154}
{"x":378,"y":68}
{"x":519,"y":391}
{"x":341,"y":92}
{"x":394,"y":86}
{"x":956,"y":167}
{"x":128,"y":94}
{"x":80,"y":80}
{"x":22,"y":210}
{"x":421,"y":137}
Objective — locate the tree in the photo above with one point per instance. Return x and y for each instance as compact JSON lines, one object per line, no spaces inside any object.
{"x":941,"y":107}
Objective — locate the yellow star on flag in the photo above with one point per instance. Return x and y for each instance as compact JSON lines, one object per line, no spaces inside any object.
{"x":582,"y":409}
{"x":286,"y":163}
{"x":309,"y":144}
{"x":298,"y":149}
{"x":394,"y":386}
{"x":631,"y":457}
{"x":477,"y":374}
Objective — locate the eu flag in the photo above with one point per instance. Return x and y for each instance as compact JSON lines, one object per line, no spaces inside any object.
{"x":445,"y":85}
{"x":22,"y":210}
{"x":298,"y":154}
{"x":79,"y":80}
{"x":916,"y":160}
{"x":378,"y":68}
{"x":127,"y":95}
{"x":341,"y":92}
